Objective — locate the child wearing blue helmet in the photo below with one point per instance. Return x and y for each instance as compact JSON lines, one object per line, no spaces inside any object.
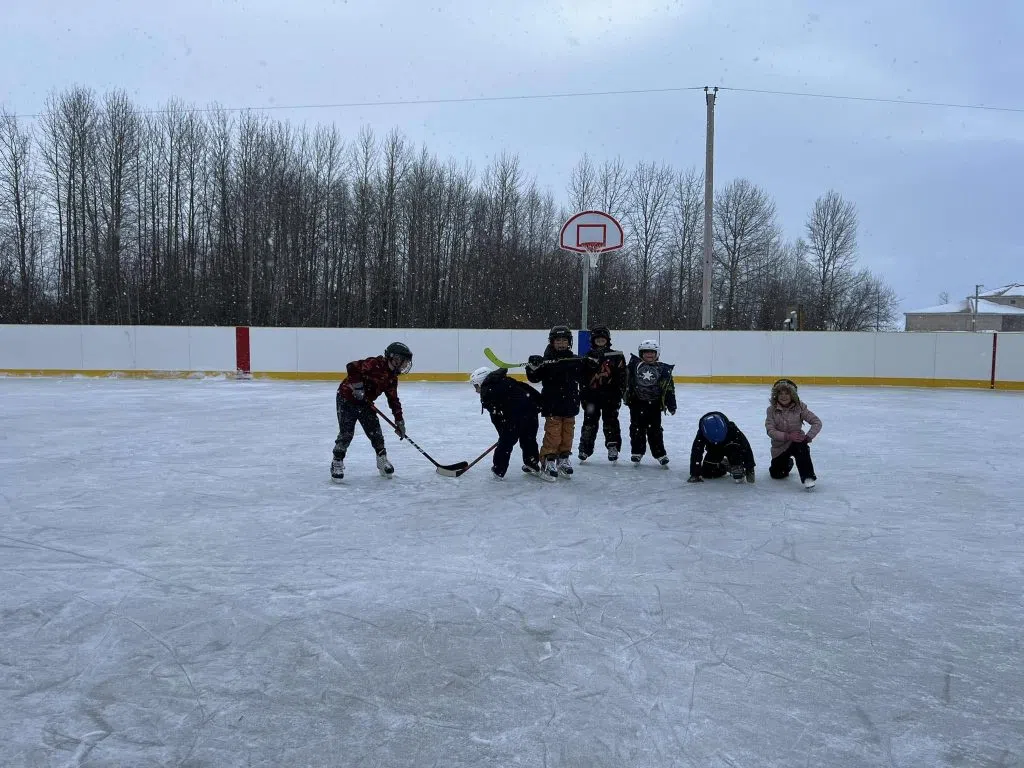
{"x":720,"y":447}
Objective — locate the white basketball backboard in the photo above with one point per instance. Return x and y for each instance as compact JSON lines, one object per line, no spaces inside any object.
{"x":591,"y":231}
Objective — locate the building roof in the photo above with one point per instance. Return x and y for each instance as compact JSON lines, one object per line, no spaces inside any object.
{"x":966,"y":305}
{"x":1015,"y":290}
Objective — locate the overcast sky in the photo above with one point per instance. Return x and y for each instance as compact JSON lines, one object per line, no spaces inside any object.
{"x":938,"y":189}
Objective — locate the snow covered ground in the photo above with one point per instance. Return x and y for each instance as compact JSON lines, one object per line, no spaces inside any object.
{"x":182,"y":585}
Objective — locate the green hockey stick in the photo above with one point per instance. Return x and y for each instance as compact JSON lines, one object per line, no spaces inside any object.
{"x":489,"y":354}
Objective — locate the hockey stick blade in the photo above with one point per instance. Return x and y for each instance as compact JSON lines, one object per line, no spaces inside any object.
{"x":489,"y":354}
{"x":453,"y":470}
{"x":468,"y":465}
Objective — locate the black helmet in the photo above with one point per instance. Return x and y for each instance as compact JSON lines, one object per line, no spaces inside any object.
{"x":560,"y":332}
{"x":396,"y":350}
{"x":601,"y":332}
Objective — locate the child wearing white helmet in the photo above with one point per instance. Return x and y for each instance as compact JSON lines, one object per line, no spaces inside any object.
{"x":650,"y":391}
{"x":513,"y":406}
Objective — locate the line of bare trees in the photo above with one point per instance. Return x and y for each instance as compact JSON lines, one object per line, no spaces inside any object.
{"x":113,"y":216}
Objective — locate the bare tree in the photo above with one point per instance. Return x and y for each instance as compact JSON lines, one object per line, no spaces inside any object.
{"x":745,"y":235}
{"x":583,"y":186}
{"x":687,"y":234}
{"x":944,"y":297}
{"x":832,"y":241}
{"x":20,"y":223}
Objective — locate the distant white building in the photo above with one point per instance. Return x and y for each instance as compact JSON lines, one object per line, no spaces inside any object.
{"x":998,"y":310}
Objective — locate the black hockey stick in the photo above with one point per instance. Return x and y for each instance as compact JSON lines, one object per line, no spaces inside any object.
{"x":448,"y":470}
{"x":461,"y":472}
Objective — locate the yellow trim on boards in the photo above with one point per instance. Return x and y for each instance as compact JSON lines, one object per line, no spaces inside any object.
{"x":829,"y":381}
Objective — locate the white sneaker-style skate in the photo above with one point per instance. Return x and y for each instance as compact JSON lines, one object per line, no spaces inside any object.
{"x":809,"y":483}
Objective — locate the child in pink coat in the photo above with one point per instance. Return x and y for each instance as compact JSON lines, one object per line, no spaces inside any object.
{"x":784,"y":423}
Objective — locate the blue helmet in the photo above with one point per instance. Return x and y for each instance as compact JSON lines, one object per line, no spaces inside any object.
{"x":714,"y":427}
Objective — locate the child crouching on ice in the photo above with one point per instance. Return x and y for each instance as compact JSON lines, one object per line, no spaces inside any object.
{"x":720,"y":447}
{"x":784,"y":423}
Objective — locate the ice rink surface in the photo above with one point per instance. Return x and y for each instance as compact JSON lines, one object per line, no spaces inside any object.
{"x":182,"y":585}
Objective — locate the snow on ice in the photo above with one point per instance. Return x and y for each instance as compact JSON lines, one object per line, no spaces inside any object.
{"x":182,"y":584}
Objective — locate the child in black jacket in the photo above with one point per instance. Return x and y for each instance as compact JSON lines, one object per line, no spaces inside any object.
{"x":719,"y":447}
{"x":650,"y":391}
{"x":513,"y":406}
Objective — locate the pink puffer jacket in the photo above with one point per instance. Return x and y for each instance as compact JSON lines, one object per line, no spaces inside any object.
{"x":779,"y":421}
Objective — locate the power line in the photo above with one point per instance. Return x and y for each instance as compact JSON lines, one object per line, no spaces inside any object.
{"x":877,"y":99}
{"x":572,"y":95}
{"x":417,"y":102}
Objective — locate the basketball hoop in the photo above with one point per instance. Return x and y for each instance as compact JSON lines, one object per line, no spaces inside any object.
{"x":590,"y":233}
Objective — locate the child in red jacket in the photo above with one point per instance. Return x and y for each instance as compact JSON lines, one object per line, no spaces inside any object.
{"x":366,"y":381}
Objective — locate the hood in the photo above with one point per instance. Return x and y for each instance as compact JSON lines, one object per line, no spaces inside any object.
{"x":785,"y":384}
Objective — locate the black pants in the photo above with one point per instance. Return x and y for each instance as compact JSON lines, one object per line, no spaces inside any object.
{"x":782,"y":464}
{"x":712,"y":466}
{"x":521,"y":429}
{"x":645,"y":428}
{"x":593,"y":412}
{"x":348,"y":415}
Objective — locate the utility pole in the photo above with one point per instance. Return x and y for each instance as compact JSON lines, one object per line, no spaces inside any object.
{"x":709,"y":192}
{"x":974,"y":314}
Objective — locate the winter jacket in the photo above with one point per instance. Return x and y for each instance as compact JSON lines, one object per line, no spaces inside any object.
{"x":779,"y":421}
{"x":559,"y":374}
{"x":734,"y":441}
{"x":377,"y":379}
{"x":604,"y":376}
{"x":650,"y":381}
{"x":507,"y":400}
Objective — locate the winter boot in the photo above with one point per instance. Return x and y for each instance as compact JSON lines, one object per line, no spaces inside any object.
{"x":385,"y":466}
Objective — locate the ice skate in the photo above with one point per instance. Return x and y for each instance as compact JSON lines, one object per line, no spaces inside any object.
{"x":613,"y":453}
{"x":563,"y":466}
{"x":550,"y":471}
{"x":385,"y":466}
{"x":809,"y":483}
{"x":497,"y":474}
{"x":664,"y":462}
{"x":337,"y":470}
{"x":636,"y":457}
{"x":532,"y":467}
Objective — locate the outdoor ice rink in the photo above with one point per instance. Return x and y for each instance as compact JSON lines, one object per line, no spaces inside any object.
{"x":182,"y":585}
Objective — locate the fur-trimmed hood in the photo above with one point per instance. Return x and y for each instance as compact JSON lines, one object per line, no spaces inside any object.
{"x":787,"y":384}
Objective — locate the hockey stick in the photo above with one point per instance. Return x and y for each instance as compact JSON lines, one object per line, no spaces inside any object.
{"x":448,"y":470}
{"x":461,"y":472}
{"x":489,"y":354}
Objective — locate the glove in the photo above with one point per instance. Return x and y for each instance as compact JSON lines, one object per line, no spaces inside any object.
{"x":796,"y":437}
{"x":534,"y":361}
{"x":671,"y":411}
{"x":400,"y":429}
{"x":750,"y":475}
{"x":695,"y":479}
{"x":358,"y":393}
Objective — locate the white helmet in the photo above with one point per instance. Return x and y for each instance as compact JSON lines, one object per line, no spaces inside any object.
{"x":476,"y":378}
{"x":648,"y":345}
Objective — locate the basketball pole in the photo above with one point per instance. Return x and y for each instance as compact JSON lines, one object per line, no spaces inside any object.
{"x":586,"y":300}
{"x":709,"y":193}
